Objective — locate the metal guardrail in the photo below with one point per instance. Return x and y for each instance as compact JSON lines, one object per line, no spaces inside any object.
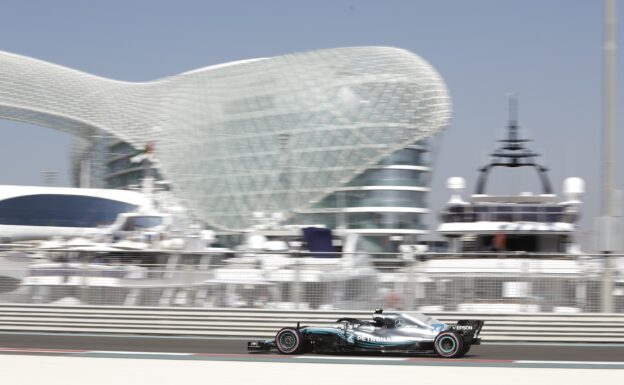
{"x":258,"y":323}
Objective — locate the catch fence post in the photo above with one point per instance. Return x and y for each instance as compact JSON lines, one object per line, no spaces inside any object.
{"x":297,"y":281}
{"x":411,"y":283}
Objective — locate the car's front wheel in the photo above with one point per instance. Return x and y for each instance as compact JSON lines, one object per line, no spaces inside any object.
{"x":289,"y":341}
{"x":449,"y":344}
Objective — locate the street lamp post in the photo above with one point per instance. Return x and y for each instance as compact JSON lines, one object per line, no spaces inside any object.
{"x":608,"y":220}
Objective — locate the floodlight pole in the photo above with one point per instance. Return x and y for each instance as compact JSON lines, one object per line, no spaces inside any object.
{"x":608,"y":146}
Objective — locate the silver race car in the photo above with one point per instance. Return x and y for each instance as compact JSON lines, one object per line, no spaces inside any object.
{"x":407,"y":333}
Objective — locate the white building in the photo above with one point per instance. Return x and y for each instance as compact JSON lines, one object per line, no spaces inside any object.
{"x":336,"y":136}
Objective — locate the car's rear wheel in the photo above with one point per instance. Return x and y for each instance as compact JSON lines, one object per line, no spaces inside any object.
{"x":449,"y":344}
{"x":289,"y":341}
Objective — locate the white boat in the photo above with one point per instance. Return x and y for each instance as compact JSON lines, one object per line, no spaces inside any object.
{"x":273,"y":269}
{"x":511,"y":252}
{"x":527,"y":222}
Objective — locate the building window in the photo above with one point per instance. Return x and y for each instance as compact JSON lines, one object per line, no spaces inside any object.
{"x":391,"y":177}
{"x":373,"y":198}
{"x":61,"y":211}
{"x":405,"y":157}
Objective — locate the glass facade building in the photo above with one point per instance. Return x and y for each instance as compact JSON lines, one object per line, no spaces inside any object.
{"x":337,"y":135}
{"x":389,"y":198}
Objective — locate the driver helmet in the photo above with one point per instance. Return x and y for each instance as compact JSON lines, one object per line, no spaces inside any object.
{"x":378,"y":314}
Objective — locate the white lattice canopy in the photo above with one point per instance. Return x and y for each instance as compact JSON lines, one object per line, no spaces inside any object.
{"x":273,"y":134}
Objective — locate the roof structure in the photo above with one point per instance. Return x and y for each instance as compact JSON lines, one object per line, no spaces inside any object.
{"x":272,"y":134}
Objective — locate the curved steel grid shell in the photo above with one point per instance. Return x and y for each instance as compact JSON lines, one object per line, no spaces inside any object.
{"x":274,"y":134}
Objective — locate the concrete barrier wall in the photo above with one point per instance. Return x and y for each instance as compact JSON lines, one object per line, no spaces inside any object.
{"x":252,"y":323}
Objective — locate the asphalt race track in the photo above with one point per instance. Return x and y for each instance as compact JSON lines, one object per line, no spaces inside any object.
{"x":17,"y":343}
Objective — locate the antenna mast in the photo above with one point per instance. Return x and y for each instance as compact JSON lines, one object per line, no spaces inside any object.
{"x":513,"y":153}
{"x":607,"y":228}
{"x":513,"y":117}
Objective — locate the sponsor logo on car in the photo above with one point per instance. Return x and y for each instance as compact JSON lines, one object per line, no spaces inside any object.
{"x":373,"y":338}
{"x":463,"y":327}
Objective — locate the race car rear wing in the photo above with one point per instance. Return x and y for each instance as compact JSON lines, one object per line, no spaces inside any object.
{"x":469,"y":328}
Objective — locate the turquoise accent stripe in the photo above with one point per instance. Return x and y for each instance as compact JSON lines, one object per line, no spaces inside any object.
{"x":360,"y":343}
{"x":382,"y":344}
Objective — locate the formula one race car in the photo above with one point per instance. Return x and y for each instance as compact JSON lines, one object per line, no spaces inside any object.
{"x":407,"y":333}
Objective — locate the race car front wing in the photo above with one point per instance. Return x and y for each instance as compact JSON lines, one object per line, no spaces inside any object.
{"x":260,"y":345}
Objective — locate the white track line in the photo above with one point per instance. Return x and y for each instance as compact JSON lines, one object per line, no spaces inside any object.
{"x":139,"y":353}
{"x":569,"y":362}
{"x":353,"y":358}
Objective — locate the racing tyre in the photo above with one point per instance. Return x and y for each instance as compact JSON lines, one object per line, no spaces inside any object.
{"x":449,"y":344}
{"x":289,"y":341}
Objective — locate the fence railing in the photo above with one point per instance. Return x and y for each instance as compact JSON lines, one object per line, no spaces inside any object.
{"x":433,"y":282}
{"x":256,"y":323}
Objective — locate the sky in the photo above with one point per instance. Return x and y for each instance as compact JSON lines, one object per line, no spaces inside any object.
{"x":547,"y":51}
